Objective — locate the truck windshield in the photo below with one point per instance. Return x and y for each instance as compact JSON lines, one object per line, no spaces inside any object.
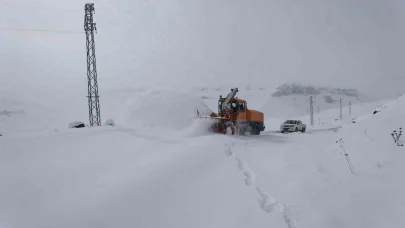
{"x":290,"y":122}
{"x":242,"y":107}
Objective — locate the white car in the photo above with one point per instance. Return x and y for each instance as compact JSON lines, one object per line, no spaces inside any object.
{"x":293,"y":126}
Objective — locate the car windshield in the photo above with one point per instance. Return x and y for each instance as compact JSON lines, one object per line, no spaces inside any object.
{"x":290,"y":122}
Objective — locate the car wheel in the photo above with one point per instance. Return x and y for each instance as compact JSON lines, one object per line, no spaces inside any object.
{"x":303,"y":129}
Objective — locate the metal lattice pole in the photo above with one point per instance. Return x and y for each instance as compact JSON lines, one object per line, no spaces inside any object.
{"x":93,"y":97}
{"x":311,"y":109}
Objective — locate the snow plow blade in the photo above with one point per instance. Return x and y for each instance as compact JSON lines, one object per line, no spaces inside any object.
{"x":221,"y":125}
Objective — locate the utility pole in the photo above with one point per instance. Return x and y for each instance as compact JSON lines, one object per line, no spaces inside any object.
{"x":92,"y":84}
{"x":341,"y":108}
{"x":311,"y":110}
{"x":350,"y":108}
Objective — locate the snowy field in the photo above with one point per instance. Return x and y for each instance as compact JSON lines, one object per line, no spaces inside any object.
{"x":159,"y":167}
{"x":158,"y":62}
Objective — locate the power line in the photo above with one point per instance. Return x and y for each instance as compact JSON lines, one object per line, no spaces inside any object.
{"x":40,"y":7}
{"x":40,"y":30}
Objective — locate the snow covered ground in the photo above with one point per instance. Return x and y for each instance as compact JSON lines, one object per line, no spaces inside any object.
{"x":159,"y":167}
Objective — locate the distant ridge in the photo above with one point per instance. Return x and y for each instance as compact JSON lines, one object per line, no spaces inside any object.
{"x":287,"y":89}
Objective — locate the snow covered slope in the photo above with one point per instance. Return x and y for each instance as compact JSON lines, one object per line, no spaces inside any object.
{"x":172,"y":173}
{"x":310,"y":172}
{"x":152,"y":170}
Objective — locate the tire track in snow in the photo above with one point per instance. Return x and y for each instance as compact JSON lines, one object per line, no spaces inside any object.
{"x":266,"y":202}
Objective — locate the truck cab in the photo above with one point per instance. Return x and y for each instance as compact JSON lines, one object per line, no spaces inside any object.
{"x":245,"y":120}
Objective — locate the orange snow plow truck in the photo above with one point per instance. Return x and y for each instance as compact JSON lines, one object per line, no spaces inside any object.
{"x":234,"y":117}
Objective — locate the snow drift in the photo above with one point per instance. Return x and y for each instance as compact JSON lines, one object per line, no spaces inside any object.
{"x":167,"y":109}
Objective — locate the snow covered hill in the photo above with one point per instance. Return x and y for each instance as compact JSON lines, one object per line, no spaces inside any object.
{"x":293,"y":99}
{"x":289,"y":100}
{"x":159,"y":167}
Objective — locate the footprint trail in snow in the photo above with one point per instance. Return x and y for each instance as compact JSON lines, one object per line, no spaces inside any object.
{"x":267,"y":203}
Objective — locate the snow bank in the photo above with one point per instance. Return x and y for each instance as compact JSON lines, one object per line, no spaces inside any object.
{"x":109,"y":122}
{"x":77,"y":124}
{"x":168,"y":109}
{"x":381,"y":124}
{"x":199,"y":127}
{"x":311,"y":174}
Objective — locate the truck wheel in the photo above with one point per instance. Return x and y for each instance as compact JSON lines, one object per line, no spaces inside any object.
{"x":296,"y":129}
{"x":303,"y":129}
{"x":255,"y":130}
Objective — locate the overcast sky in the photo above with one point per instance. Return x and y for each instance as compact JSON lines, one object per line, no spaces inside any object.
{"x":350,"y":43}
